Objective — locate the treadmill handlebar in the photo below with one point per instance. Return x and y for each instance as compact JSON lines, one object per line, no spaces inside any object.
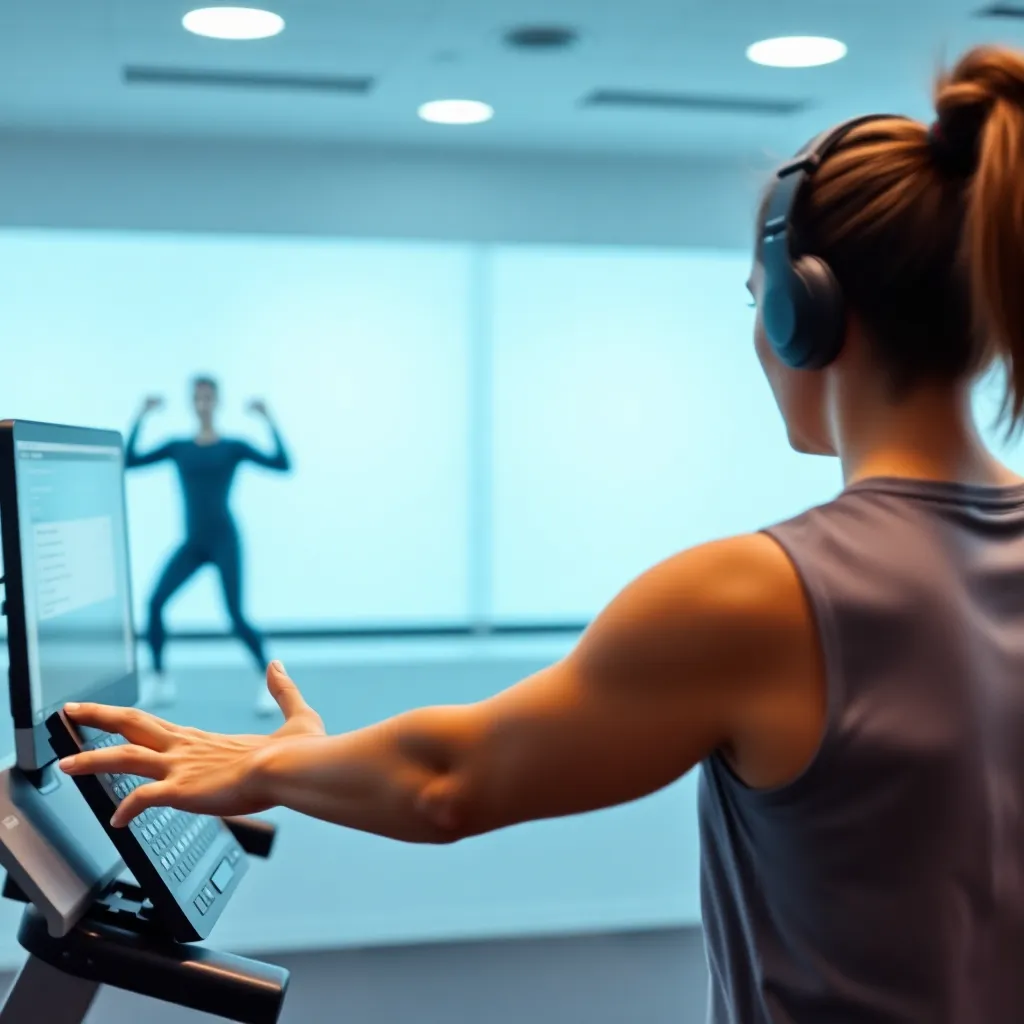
{"x":222,"y":984}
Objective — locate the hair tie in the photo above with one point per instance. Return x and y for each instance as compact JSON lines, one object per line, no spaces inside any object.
{"x":957,"y":158}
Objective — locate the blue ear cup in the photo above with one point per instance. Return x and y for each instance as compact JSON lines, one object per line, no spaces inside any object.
{"x":803,"y":315}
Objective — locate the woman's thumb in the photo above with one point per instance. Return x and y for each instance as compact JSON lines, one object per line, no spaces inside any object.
{"x":283,"y":690}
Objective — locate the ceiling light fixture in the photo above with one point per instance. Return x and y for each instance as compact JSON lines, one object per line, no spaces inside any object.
{"x":233,"y":23}
{"x":456,"y":112}
{"x":796,"y":52}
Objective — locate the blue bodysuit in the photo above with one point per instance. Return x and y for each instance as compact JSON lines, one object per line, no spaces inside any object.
{"x":211,"y":535}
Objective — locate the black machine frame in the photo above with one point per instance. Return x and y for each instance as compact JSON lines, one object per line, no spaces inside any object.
{"x":84,"y":929}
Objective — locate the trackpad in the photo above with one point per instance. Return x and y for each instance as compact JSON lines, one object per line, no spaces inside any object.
{"x":222,"y":876}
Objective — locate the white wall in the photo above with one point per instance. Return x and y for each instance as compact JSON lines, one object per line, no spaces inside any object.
{"x":67,"y":181}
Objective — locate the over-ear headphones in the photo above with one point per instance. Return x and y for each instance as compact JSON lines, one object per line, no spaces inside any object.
{"x":802,"y":309}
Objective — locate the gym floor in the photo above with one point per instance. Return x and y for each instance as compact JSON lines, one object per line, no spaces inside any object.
{"x":653,"y":977}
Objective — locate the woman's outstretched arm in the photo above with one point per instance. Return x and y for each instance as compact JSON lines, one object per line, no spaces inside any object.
{"x":700,"y":654}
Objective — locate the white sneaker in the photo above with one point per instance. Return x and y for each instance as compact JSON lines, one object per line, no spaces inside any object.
{"x":157,"y":690}
{"x":266,"y":706}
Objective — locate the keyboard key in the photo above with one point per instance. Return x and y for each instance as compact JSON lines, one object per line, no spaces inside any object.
{"x":222,"y":876}
{"x":201,"y":905}
{"x":209,"y":893}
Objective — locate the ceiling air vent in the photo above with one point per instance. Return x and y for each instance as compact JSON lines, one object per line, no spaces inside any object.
{"x":334,"y":84}
{"x":1002,"y":11}
{"x":541,"y":37}
{"x":692,"y":103}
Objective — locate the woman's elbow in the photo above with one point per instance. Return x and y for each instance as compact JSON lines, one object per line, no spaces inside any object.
{"x":447,"y":811}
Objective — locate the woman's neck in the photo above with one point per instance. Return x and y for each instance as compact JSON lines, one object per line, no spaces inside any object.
{"x":930,"y":435}
{"x":207,"y":434}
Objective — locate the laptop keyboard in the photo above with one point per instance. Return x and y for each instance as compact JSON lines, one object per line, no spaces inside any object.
{"x":177,"y":839}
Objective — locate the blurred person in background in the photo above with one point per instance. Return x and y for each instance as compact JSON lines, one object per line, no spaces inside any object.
{"x":206,"y":465}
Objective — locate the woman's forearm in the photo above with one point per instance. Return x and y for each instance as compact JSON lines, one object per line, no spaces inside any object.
{"x":398,"y":779}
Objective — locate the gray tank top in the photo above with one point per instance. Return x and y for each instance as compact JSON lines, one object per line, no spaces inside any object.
{"x":886,"y":884}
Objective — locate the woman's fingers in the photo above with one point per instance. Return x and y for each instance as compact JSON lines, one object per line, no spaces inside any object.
{"x":190,"y":769}
{"x":126,"y":759}
{"x":134,"y":725}
{"x":154,"y":794}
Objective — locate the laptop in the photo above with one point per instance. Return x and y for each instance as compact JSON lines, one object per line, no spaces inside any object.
{"x":63,"y":527}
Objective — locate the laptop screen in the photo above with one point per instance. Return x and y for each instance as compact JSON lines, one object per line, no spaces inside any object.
{"x":71,"y":577}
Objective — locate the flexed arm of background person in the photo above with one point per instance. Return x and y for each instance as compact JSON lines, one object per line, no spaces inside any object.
{"x":132,"y":457}
{"x":278,"y":459}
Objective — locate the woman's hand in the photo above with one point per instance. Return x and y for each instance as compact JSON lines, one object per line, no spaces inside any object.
{"x":198,"y":771}
{"x":259,"y":408}
{"x":151,"y":404}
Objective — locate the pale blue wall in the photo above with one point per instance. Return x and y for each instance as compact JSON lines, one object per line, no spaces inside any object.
{"x":475,"y":429}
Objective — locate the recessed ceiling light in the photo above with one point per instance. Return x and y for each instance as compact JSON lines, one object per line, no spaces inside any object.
{"x":233,"y":23}
{"x":456,"y":112}
{"x":796,"y":51}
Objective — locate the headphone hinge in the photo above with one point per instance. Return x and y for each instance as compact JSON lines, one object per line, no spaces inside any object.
{"x":807,"y":163}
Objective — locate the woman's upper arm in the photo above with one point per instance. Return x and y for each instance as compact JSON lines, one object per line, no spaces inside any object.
{"x":680,"y":664}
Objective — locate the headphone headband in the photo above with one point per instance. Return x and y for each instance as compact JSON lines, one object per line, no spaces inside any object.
{"x":795,"y":173}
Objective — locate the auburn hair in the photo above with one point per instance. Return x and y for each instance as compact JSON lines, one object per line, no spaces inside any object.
{"x":924,"y":228}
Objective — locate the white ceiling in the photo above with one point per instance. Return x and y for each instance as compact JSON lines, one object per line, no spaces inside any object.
{"x":61,"y":66}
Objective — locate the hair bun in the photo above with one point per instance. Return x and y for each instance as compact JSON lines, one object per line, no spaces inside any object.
{"x":990,"y":73}
{"x":965,"y":97}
